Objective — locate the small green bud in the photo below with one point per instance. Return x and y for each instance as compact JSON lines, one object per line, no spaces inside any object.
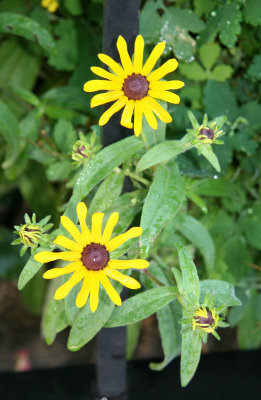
{"x":82,"y":151}
{"x":30,"y":234}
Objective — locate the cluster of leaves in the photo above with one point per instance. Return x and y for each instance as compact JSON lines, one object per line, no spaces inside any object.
{"x":207,"y":203}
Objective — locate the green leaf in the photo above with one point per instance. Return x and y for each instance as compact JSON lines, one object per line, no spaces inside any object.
{"x":222,"y":72}
{"x":9,"y":127}
{"x":252,"y":12}
{"x":193,"y":71}
{"x":73,"y":6}
{"x":141,"y":306}
{"x":87,"y":324}
{"x":64,"y":135}
{"x":67,"y":96}
{"x":190,"y":355}
{"x":133,"y":332}
{"x":251,"y":225}
{"x":155,"y":136}
{"x":254,"y":71}
{"x":54,"y":317}
{"x":197,"y":234}
{"x":223,"y":291}
{"x":101,"y":165}
{"x":59,"y":170}
{"x":163,"y":201}
{"x":33,"y":294}
{"x":27,"y":28}
{"x":107,"y":193}
{"x":162,"y":152}
{"x":209,"y":54}
{"x":189,"y":272}
{"x":30,"y":269}
{"x":26,"y":95}
{"x":249,"y":332}
{"x":220,"y":100}
{"x":212,"y":187}
{"x":208,"y":153}
{"x":169,"y":327}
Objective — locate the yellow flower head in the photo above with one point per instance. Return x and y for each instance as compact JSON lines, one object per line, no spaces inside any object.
{"x":205,"y":319}
{"x":134,"y":86}
{"x":51,"y":5}
{"x":89,"y":254}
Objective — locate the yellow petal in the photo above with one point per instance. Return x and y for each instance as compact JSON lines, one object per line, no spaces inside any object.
{"x":104,"y":98}
{"x":96,"y":227}
{"x":71,"y":228}
{"x":165,"y":95}
{"x":161,"y":113}
{"x":67,"y":243}
{"x":150,"y":117}
{"x":114,"y":296}
{"x":123,"y":279}
{"x":138,"y":54}
{"x":64,"y":290}
{"x":53,"y":6}
{"x":47,"y":256}
{"x":105,"y":74}
{"x":153,"y":58}
{"x":111,"y":223}
{"x":127,"y":114}
{"x":96,"y":84}
{"x":125,"y":264}
{"x":166,"y":68}
{"x":138,"y":112}
{"x":116,"y":68}
{"x":83,"y":294}
{"x":94,"y":291}
{"x":166,"y":85}
{"x":124,"y":55}
{"x":55,"y":272}
{"x":82,"y":213}
{"x":112,"y":110}
{"x":119,"y":240}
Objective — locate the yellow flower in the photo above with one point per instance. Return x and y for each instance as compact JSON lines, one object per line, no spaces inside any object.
{"x":134,"y":86}
{"x":89,"y":254}
{"x":51,"y":5}
{"x":206,"y":319}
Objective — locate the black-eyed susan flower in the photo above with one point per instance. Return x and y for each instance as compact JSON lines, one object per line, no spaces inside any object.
{"x":134,"y":87}
{"x":51,"y":5}
{"x":32,"y":233}
{"x":90,"y":261}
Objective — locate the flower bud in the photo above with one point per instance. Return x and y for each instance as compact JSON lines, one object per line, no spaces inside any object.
{"x":205,"y":319}
{"x":81,"y":151}
{"x":206,"y":133}
{"x":30,"y":234}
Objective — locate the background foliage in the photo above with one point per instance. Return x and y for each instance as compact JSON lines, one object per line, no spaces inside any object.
{"x":44,"y":61}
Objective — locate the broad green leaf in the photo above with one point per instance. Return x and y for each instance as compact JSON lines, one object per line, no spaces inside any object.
{"x":189,"y":272}
{"x":10,"y":260}
{"x":197,"y":234}
{"x":141,"y":306}
{"x":203,"y":7}
{"x":54,"y":317}
{"x":26,"y":95}
{"x":212,"y":187}
{"x":193,"y":71}
{"x":222,"y":72}
{"x":208,"y":153}
{"x":9,"y":127}
{"x":190,"y":355}
{"x":29,"y":270}
{"x":163,"y":201}
{"x":59,"y":171}
{"x":170,"y":328}
{"x":73,"y":6}
{"x":251,"y":225}
{"x":87,"y":324}
{"x":27,"y":28}
{"x":107,"y":193}
{"x":162,"y":152}
{"x":252,"y":12}
{"x":209,"y":54}
{"x":102,"y":164}
{"x":237,"y":256}
{"x":33,"y":294}
{"x":220,"y":100}
{"x":64,"y":135}
{"x":223,"y":291}
{"x":155,"y":136}
{"x":71,"y":309}
{"x":68,"y":97}
{"x":133,"y":332}
{"x":248,"y":331}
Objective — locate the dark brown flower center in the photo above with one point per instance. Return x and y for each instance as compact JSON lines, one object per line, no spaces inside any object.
{"x":95,"y":257}
{"x":207,"y":132}
{"x":205,"y":320}
{"x":135,"y":87}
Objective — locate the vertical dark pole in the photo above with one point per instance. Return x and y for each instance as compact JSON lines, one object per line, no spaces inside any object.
{"x":121,"y":17}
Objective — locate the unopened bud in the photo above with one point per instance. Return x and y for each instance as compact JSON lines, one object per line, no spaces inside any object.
{"x":206,"y":133}
{"x":30,"y":234}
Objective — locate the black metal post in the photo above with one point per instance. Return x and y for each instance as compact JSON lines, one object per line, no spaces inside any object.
{"x":121,"y":17}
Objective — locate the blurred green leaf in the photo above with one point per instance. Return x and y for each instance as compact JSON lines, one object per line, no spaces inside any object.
{"x":33,"y":294}
{"x":224,"y":292}
{"x":220,"y":100}
{"x":252,"y":12}
{"x":133,"y":332}
{"x":64,"y":135}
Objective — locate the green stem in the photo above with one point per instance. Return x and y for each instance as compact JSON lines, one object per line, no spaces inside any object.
{"x":152,"y":277}
{"x":145,"y":139}
{"x":137,"y":178}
